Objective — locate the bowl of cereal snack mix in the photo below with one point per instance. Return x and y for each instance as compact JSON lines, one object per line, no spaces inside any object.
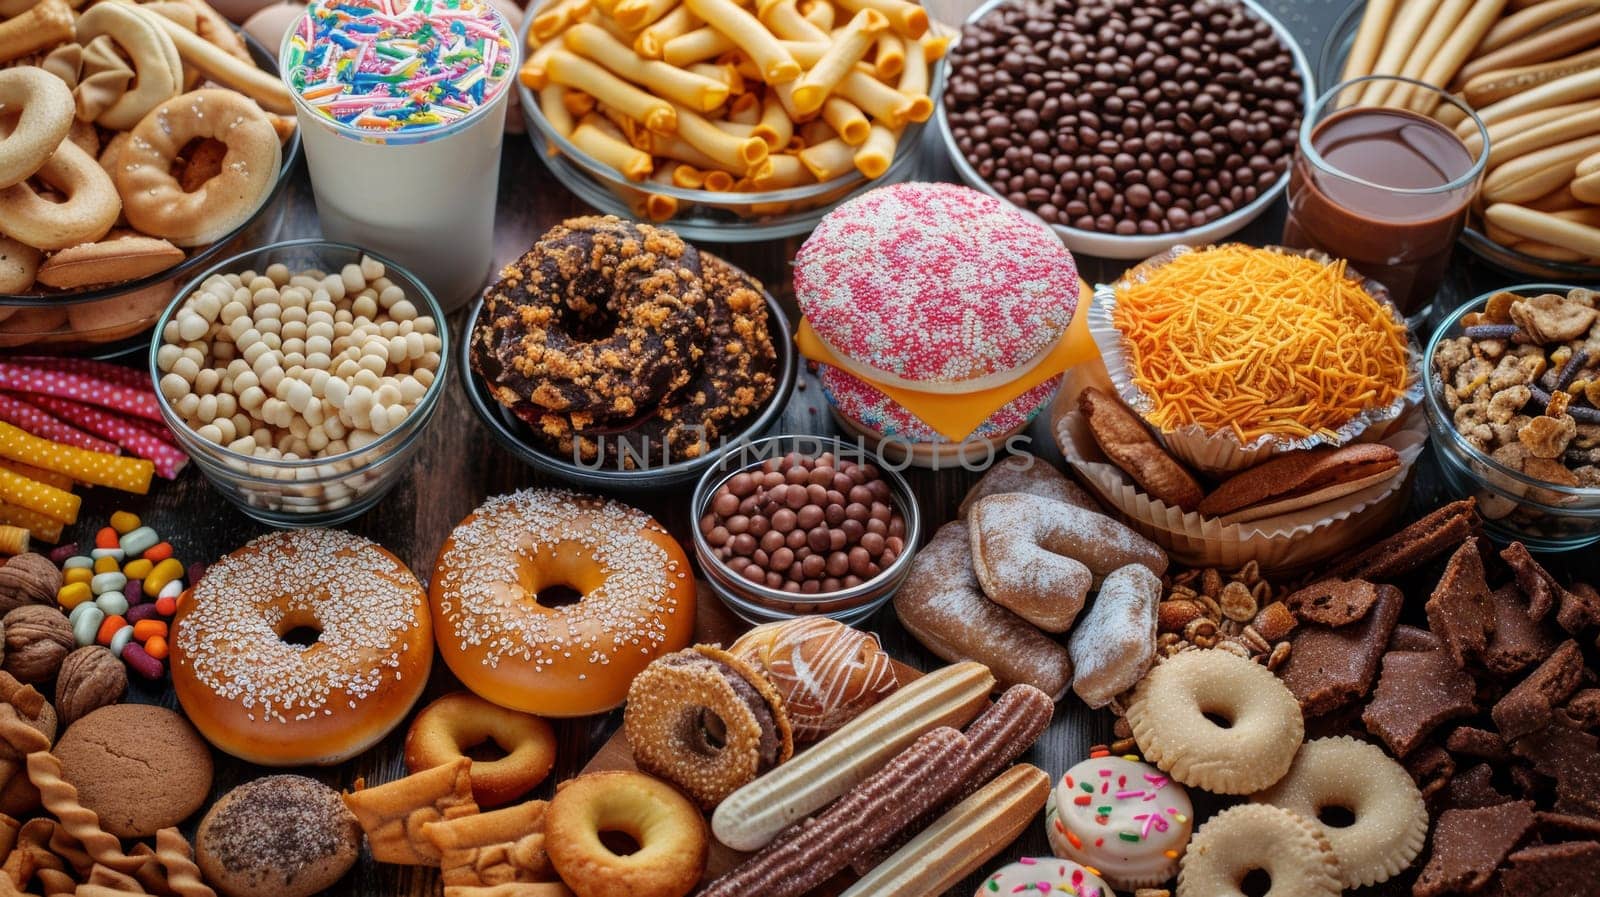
{"x":1513,"y":402}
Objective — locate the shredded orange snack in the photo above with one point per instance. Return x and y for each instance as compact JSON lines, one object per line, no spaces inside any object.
{"x":1260,"y":342}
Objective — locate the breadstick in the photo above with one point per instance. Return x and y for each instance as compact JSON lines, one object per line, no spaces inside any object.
{"x":785,"y":20}
{"x":745,"y":30}
{"x":846,"y":120}
{"x":1537,"y":173}
{"x":176,"y":856}
{"x":1548,"y":252}
{"x":1441,"y":26}
{"x":47,"y":23}
{"x":1586,"y":187}
{"x":650,"y":41}
{"x":1542,"y":46}
{"x":580,"y":74}
{"x":1402,"y":35}
{"x":1587,"y":215}
{"x":61,"y":799}
{"x":1456,"y":50}
{"x":1491,"y":87}
{"x":668,"y":81}
{"x":907,"y":19}
{"x":1369,"y":39}
{"x":214,"y":63}
{"x":1571,"y":89}
{"x":1529,"y":140}
{"x":850,"y":45}
{"x":1535,"y":18}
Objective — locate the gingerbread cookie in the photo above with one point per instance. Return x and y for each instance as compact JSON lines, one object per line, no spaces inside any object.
{"x":109,"y":756}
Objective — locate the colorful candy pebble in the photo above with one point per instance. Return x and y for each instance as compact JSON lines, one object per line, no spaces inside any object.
{"x":172,"y":590}
{"x":106,"y":565}
{"x":108,"y":582}
{"x":124,"y":522}
{"x":156,"y":647}
{"x":113,"y":603}
{"x":140,"y":661}
{"x":166,"y":607}
{"x":77,"y":574}
{"x":61,"y":553}
{"x":144,"y":630}
{"x":106,"y":538}
{"x":139,"y":541}
{"x":73,"y":594}
{"x":134,"y":591}
{"x":114,"y":553}
{"x":138,"y":613}
{"x":109,"y":627}
{"x":86,"y":620}
{"x":138,"y":569}
{"x":159,"y":551}
{"x":119,"y":642}
{"x":77,"y":562}
{"x":168,"y":571}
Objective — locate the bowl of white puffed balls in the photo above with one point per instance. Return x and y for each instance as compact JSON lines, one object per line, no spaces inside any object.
{"x":300,"y":376}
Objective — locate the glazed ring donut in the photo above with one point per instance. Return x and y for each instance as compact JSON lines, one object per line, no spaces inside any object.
{"x":640,"y":286}
{"x":46,"y":119}
{"x":670,"y":832}
{"x":1242,"y":839}
{"x":574,"y":659}
{"x":157,"y":205}
{"x":91,"y":207}
{"x":302,"y":647}
{"x":1168,"y":716}
{"x":157,"y":70}
{"x":447,"y":729}
{"x":1391,"y":819}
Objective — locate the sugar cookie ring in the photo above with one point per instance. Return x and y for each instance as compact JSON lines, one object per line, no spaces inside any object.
{"x":706,"y":721}
{"x":1391,"y":819}
{"x":46,"y":119}
{"x":19,"y":265}
{"x":91,"y":207}
{"x":120,"y":257}
{"x":154,"y":201}
{"x":669,"y":830}
{"x":158,"y":72}
{"x":1251,"y":837}
{"x":450,"y":727}
{"x":1169,"y":716}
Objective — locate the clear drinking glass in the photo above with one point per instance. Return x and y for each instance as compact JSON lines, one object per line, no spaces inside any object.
{"x":1385,"y":171}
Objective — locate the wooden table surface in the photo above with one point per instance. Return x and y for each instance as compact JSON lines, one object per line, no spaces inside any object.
{"x":459,"y":464}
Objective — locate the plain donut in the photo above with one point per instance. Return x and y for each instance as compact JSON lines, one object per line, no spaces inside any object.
{"x":91,"y":207}
{"x":158,"y":72}
{"x":156,"y":204}
{"x":46,"y":118}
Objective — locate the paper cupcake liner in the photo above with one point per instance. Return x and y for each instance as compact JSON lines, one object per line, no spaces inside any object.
{"x":1221,"y":453}
{"x":1287,"y":543}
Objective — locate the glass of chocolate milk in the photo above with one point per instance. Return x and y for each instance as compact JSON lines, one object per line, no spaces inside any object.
{"x":1381,"y":182}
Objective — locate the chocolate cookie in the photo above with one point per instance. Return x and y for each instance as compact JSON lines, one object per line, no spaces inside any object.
{"x":1131,"y":447}
{"x":140,"y":767}
{"x":281,"y":836}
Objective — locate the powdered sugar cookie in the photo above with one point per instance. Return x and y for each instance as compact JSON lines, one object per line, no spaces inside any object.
{"x":1171,"y":715}
{"x":1391,"y":820}
{"x":1126,"y":820}
{"x":1242,"y":839}
{"x":1115,"y":642}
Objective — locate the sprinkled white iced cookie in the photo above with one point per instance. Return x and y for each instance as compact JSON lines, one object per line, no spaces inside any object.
{"x":1044,"y":875}
{"x":1126,"y":820}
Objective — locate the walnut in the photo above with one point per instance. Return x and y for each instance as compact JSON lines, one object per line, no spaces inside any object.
{"x":1508,"y":402}
{"x":37,"y":640}
{"x":1451,"y":354}
{"x":1173,"y":616}
{"x":1547,"y":437}
{"x":90,"y":678}
{"x":1238,"y":603}
{"x":28,"y":579}
{"x":1552,"y":317}
{"x":1472,"y":374}
{"x":1472,"y":421}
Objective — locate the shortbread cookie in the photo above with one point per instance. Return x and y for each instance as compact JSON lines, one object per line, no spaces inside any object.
{"x":1242,"y":839}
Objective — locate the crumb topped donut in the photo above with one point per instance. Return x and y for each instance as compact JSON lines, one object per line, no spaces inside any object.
{"x":279,"y":836}
{"x":301,"y":647}
{"x":511,"y":647}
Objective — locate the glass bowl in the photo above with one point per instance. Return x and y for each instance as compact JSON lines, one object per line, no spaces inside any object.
{"x":1330,"y":65}
{"x":759,"y":604}
{"x":1514,"y":506}
{"x":1139,"y":246}
{"x":315,"y":491}
{"x":511,"y":432}
{"x":110,"y":320}
{"x":727,"y":217}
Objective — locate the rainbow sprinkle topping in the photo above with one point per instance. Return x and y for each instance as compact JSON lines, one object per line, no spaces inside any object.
{"x":399,"y":65}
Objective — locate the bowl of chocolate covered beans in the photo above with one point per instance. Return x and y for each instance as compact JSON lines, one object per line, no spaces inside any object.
{"x":299,"y":376}
{"x":794,"y":525}
{"x":1129,"y":127}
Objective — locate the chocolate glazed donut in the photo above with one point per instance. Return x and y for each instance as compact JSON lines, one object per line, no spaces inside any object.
{"x":599,"y":321}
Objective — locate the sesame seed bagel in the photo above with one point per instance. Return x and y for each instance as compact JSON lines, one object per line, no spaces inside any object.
{"x":268,"y":700}
{"x":575,"y":659}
